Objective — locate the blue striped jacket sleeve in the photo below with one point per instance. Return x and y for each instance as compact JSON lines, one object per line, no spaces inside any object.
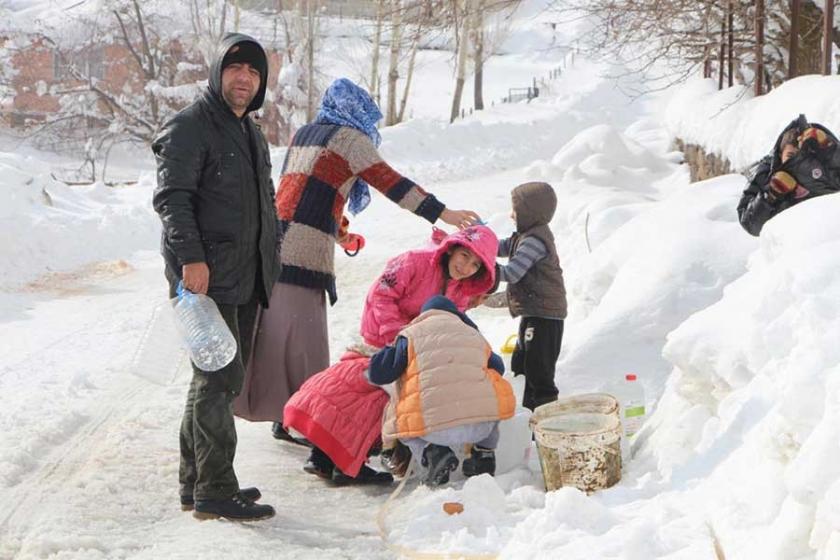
{"x":529,"y":251}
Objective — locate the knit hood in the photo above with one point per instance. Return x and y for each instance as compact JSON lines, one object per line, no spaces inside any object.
{"x":483,"y":242}
{"x":215,"y":79}
{"x":534,"y":204}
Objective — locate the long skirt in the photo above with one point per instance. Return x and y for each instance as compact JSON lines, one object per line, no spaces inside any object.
{"x":291,"y":344}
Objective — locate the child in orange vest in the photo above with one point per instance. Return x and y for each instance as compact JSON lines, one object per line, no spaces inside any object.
{"x":448,"y":391}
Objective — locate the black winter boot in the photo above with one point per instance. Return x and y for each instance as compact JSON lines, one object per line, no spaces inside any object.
{"x":319,"y":464}
{"x":480,"y":461}
{"x":235,"y":508}
{"x":253,"y":494}
{"x":280,"y":433}
{"x":396,"y":459}
{"x":366,"y":476}
{"x":440,"y":460}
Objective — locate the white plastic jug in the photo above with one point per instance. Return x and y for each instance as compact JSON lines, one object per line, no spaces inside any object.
{"x":514,"y":433}
{"x":160,"y":355}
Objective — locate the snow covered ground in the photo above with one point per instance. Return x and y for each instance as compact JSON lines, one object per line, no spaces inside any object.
{"x":733,"y":337}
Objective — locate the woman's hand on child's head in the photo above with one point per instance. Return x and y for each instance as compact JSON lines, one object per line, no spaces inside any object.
{"x":460,"y":219}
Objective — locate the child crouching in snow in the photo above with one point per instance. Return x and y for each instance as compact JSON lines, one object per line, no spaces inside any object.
{"x":448,"y":392}
{"x":337,"y":410}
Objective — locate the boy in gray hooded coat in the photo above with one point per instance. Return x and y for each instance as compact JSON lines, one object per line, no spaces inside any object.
{"x":535,"y":290}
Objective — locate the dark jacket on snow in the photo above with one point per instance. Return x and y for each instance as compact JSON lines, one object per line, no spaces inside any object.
{"x":816,"y":169}
{"x":214,"y":192}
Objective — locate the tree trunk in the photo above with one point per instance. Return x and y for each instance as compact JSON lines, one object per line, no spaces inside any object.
{"x":310,"y":54}
{"x":759,"y":47}
{"x":415,"y":43}
{"x":793,"y":48}
{"x":730,"y":69}
{"x":478,"y":60}
{"x":828,"y":28}
{"x":377,"y":40}
{"x":460,"y":10}
{"x":393,"y":62}
{"x":722,"y":53}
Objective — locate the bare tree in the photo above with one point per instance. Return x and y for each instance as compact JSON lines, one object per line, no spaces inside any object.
{"x":377,"y":41}
{"x":209,"y":21}
{"x":393,"y":61}
{"x":461,"y":30}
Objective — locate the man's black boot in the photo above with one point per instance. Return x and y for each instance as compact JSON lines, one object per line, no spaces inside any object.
{"x":235,"y":508}
{"x":188,"y":502}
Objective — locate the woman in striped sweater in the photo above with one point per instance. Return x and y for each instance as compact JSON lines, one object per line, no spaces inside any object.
{"x":329,"y":164}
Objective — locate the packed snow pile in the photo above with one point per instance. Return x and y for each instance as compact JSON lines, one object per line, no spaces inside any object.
{"x":742,"y":128}
{"x":751,"y":415}
{"x":47,"y":226}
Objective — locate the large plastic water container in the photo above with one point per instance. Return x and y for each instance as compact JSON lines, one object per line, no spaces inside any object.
{"x":208,"y":339}
{"x":514,"y":433}
{"x":160,"y":355}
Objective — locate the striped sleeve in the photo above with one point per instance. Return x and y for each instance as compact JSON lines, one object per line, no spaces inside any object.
{"x":365,"y":162}
{"x":529,"y":251}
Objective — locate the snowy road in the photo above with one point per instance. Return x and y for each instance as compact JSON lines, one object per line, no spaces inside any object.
{"x":96,"y":475}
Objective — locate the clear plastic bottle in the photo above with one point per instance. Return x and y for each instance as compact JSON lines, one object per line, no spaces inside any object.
{"x":632,"y":405}
{"x":208,"y":339}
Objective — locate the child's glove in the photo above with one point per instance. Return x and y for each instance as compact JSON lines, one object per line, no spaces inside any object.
{"x":782,"y":183}
{"x":352,"y":243}
{"x":815,"y":138}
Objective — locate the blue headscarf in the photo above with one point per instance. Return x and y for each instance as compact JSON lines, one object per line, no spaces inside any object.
{"x":346,"y":104}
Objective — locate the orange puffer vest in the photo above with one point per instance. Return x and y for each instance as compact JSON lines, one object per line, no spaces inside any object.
{"x":447,"y":382}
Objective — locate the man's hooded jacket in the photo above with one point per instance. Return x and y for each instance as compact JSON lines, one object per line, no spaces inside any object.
{"x":214,"y":194}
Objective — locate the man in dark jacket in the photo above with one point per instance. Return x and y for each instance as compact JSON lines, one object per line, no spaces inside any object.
{"x":804,"y":163}
{"x":216,"y":201}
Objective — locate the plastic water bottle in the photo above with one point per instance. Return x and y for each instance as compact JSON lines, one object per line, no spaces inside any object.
{"x":632,"y":405}
{"x":209,"y":341}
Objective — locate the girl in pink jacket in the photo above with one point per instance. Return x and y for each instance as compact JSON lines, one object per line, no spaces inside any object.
{"x":337,"y":410}
{"x":461,"y":267}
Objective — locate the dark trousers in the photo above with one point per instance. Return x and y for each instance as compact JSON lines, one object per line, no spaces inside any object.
{"x":537,"y":348}
{"x":208,"y":434}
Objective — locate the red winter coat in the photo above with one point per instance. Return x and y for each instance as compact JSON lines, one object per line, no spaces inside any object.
{"x":339,"y":411}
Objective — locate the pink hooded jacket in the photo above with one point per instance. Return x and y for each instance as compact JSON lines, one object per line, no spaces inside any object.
{"x":411,"y":278}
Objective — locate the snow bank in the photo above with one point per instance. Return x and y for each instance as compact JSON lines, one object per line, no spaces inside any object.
{"x":47,"y":226}
{"x":742,"y":128}
{"x":754,"y":401}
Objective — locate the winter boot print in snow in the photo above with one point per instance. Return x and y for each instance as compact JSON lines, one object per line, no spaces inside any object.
{"x":480,"y":461}
{"x":235,"y":508}
{"x":440,"y":460}
{"x":188,"y":502}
